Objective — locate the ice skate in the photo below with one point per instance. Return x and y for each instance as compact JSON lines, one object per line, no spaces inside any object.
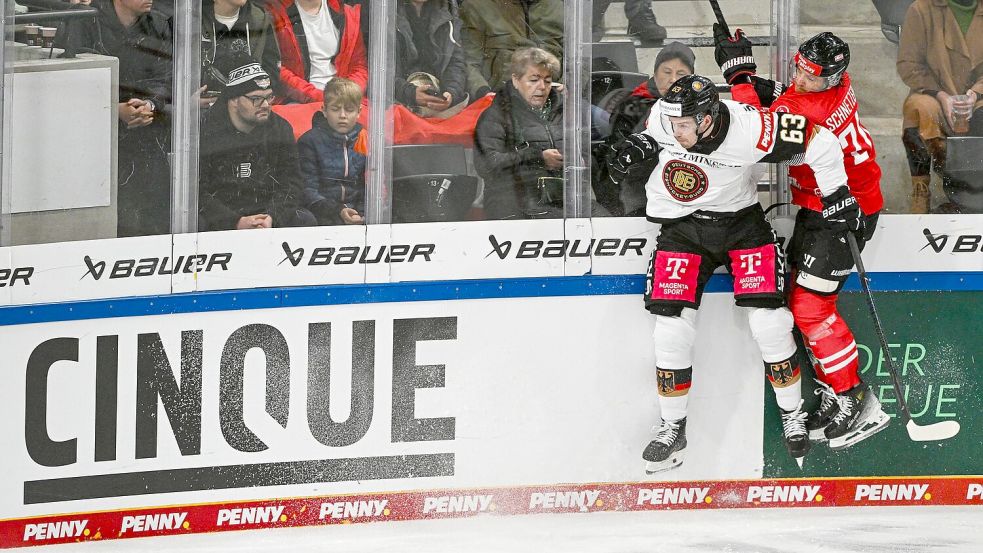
{"x":860,"y":416}
{"x":819,"y":419}
{"x":794,"y":432}
{"x":668,"y":448}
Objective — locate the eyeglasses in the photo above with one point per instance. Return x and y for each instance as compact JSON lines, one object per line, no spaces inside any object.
{"x":258,"y":100}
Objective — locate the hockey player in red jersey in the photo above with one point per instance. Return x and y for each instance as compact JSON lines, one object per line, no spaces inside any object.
{"x":819,"y":255}
{"x":702,"y":194}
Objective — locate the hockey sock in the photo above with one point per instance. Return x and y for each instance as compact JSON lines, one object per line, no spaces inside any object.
{"x":828,"y":337}
{"x":786,"y":380}
{"x":674,"y":392}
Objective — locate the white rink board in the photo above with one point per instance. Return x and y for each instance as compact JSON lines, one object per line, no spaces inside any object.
{"x":275,"y":258}
{"x":543,"y":390}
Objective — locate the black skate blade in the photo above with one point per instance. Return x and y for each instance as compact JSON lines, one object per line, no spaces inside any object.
{"x":674,"y":460}
{"x":868,"y":429}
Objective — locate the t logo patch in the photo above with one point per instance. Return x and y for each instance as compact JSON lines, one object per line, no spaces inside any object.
{"x":677,"y":267}
{"x":244,"y":170}
{"x":750,"y":262}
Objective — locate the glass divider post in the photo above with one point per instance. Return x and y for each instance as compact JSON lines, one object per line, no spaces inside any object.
{"x":785,"y":31}
{"x":6,"y":121}
{"x":185,"y":116}
{"x":382,"y":63}
{"x":576,"y":113}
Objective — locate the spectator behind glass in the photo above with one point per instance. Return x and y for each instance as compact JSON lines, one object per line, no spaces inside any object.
{"x":318,"y":39}
{"x":628,"y":117}
{"x":249,"y":175}
{"x":938,"y":58}
{"x":332,"y":157}
{"x":518,"y":141}
{"x":495,"y":29}
{"x":431,"y":75}
{"x":141,"y":39}
{"x":235,"y":26}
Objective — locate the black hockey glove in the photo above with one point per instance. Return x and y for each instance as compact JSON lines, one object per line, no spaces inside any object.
{"x":767,"y":90}
{"x":842,"y":212}
{"x":635,"y":149}
{"x":733,"y":54}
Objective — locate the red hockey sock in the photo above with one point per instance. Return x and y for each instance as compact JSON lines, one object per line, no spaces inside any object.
{"x":828,"y":337}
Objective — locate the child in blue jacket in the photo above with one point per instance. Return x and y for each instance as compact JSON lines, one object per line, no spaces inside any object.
{"x":333,"y":155}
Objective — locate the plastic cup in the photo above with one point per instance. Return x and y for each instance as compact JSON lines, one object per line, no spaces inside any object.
{"x":962,"y":111}
{"x":48,"y":36}
{"x":33,"y":33}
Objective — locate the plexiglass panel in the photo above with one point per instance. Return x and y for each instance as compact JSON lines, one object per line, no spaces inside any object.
{"x":90,"y":118}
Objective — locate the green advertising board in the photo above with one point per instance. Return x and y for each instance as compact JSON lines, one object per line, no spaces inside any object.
{"x":936,"y":343}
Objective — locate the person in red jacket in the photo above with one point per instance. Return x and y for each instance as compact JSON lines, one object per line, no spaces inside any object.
{"x":820,"y":257}
{"x":319,"y":40}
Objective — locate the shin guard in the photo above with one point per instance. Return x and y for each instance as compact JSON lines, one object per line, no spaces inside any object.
{"x":828,"y":337}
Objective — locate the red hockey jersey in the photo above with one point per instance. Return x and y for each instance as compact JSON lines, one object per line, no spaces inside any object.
{"x":836,"y":110}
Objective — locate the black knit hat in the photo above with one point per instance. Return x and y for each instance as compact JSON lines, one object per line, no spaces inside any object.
{"x":243,"y":75}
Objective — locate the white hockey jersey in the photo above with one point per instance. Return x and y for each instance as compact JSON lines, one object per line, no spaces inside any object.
{"x":715,"y":175}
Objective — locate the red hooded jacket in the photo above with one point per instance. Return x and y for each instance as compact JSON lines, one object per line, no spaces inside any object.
{"x":350,"y":61}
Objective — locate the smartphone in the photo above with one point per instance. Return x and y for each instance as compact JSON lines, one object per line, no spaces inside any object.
{"x":431,"y":91}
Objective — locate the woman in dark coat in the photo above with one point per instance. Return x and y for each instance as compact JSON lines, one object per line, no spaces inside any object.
{"x":519,"y":140}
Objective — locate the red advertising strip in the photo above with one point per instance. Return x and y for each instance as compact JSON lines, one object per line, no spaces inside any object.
{"x":436,"y":504}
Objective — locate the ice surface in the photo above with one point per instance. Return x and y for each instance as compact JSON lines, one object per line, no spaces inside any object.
{"x":803,"y":530}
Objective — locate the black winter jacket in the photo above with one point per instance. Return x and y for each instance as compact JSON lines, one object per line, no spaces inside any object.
{"x":252,"y":34}
{"x":444,"y":46}
{"x":246,"y":173}
{"x":510,"y":138}
{"x":144,"y":51}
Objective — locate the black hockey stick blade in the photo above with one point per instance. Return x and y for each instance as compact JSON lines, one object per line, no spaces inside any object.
{"x":715,"y":5}
{"x":917,"y":432}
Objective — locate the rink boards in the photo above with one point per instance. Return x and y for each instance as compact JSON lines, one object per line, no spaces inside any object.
{"x":456,"y":503}
{"x":305,"y":380}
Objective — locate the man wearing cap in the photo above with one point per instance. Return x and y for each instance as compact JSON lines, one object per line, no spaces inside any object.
{"x":249,"y":172}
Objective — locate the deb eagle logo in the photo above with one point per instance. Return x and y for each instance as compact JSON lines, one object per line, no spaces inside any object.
{"x":949,"y":243}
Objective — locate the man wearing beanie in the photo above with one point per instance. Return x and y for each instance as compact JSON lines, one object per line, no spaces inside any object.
{"x":629,"y":116}
{"x":249,"y":173}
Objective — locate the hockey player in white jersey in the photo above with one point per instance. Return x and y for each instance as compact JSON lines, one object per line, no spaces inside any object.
{"x":702,"y":194}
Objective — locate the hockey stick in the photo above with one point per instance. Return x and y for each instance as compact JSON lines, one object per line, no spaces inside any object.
{"x":920,"y":433}
{"x":715,"y":5}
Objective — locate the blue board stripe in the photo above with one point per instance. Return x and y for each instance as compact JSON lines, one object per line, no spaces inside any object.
{"x":341,"y":294}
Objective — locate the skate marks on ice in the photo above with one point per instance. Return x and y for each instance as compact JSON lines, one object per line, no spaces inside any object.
{"x":802,"y":530}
